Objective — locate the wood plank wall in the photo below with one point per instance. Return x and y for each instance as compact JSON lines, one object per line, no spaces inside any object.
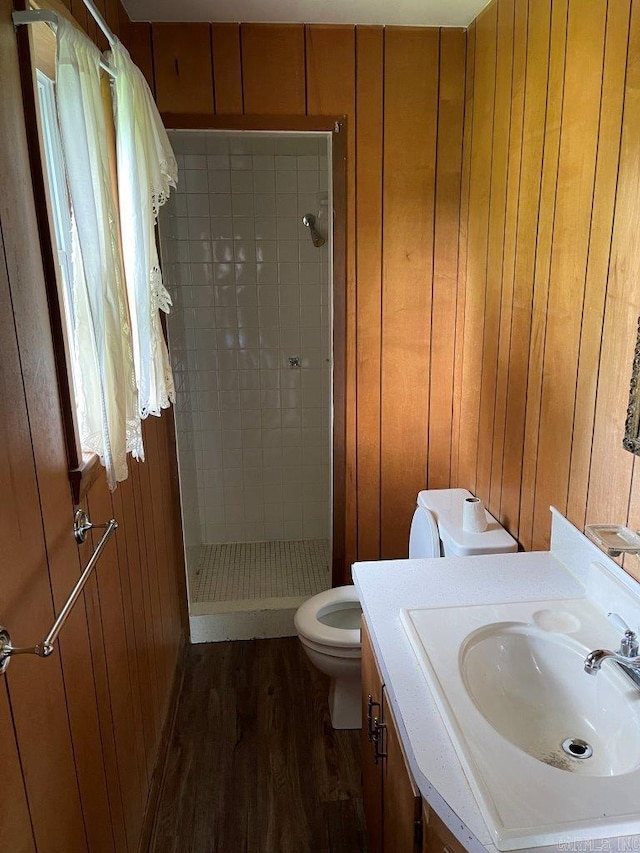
{"x":551,"y":274}
{"x":491,"y":305}
{"x":396,"y":86}
{"x":80,"y":732}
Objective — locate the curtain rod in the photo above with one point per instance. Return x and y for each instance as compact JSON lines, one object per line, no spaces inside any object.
{"x":100,"y":21}
{"x":48,"y":16}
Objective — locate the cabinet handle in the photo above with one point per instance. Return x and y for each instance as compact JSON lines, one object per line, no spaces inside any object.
{"x":371,"y":704}
{"x":378,"y":740}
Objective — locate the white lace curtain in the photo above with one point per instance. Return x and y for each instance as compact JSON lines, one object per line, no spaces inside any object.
{"x":122,"y":370}
{"x":108,"y":418}
{"x":146,"y":171}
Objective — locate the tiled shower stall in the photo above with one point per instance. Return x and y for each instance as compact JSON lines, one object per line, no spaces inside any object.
{"x":250,"y":343}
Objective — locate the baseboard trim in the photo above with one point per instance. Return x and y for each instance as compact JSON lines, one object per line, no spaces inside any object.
{"x":157,"y":778}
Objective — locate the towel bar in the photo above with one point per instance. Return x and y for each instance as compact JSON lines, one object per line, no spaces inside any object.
{"x":45,"y":648}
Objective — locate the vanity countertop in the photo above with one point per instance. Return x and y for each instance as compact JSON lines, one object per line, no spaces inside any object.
{"x":387,"y":587}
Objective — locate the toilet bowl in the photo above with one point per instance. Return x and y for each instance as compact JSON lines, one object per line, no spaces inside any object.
{"x":328,"y":624}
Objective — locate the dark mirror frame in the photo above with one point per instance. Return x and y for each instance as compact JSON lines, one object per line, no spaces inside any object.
{"x":631,"y":440}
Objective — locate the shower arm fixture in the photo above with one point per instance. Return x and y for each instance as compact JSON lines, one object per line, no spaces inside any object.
{"x":309,"y":221}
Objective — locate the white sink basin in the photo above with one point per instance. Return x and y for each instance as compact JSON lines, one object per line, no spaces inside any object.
{"x":531,"y":687}
{"x":510,"y":685}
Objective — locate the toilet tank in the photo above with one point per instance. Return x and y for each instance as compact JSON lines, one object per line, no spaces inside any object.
{"x":445,"y":505}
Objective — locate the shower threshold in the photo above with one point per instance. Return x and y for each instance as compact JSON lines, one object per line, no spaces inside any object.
{"x":241,"y":590}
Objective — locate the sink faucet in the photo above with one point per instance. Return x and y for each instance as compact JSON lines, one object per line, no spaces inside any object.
{"x":627,"y":655}
{"x":595,"y":659}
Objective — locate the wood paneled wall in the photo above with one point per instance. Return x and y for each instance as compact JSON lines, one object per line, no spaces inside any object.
{"x":402,"y":91}
{"x":80,"y":732}
{"x":552,"y":296}
{"x":491,"y":251}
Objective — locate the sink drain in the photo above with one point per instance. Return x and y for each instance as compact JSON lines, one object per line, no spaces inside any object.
{"x":577,"y":748}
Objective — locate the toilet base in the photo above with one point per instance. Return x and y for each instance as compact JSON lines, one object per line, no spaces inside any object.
{"x":345,"y":703}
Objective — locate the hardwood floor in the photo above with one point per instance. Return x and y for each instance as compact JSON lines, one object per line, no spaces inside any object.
{"x":254,"y":764}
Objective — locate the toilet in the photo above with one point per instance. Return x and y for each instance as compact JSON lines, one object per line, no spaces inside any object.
{"x":328,"y":624}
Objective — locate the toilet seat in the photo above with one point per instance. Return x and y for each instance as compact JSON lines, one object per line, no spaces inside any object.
{"x":316,"y":632}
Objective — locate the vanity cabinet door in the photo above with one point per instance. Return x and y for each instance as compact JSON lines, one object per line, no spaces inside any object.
{"x":392,"y":803}
{"x":402,"y":811}
{"x":437,"y":838}
{"x":371,"y":768}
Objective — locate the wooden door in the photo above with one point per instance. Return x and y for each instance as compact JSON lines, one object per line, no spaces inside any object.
{"x":34,"y":710}
{"x":15,"y":830}
{"x":79,"y":731}
{"x":371,"y":769}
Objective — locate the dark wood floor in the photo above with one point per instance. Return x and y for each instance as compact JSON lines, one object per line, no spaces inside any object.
{"x":254,"y":763}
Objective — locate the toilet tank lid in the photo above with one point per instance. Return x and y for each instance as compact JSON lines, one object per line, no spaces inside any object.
{"x":446,"y":505}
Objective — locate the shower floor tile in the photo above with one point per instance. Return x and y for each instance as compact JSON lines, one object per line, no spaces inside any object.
{"x":240,"y":571}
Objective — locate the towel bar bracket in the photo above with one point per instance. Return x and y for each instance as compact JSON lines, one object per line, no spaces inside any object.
{"x":82,"y":525}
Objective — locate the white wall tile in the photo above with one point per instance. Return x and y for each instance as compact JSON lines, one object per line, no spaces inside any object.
{"x":249,"y":360}
{"x":240,"y":145}
{"x":221,"y":228}
{"x":197,"y":205}
{"x":220,"y":204}
{"x":241,"y":182}
{"x":287,"y":182}
{"x":218,"y":162}
{"x":263,"y":162}
{"x":290,"y":339}
{"x":288,"y":250}
{"x":307,"y":252}
{"x":288,"y":292}
{"x":287,"y":204}
{"x":308,"y":182}
{"x":271,"y":419}
{"x":262,"y":144}
{"x":288,"y":230}
{"x":244,"y":228}
{"x":223,"y":251}
{"x":264,"y":182}
{"x":309,"y":273}
{"x":285,"y":163}
{"x":250,"y":291}
{"x":251,"y":419}
{"x":240,"y":162}
{"x":291,"y":408}
{"x":216,"y":144}
{"x":246,"y":294}
{"x":307,"y":162}
{"x":242,"y":205}
{"x":264,"y":204}
{"x":244,"y":250}
{"x":194,"y":161}
{"x":265,"y":224}
{"x":195,"y":181}
{"x":267,"y":273}
{"x":180,"y":205}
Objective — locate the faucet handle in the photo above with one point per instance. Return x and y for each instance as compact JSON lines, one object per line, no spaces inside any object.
{"x":629,"y":644}
{"x":618,"y":622}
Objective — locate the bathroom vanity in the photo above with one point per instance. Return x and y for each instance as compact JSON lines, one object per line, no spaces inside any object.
{"x":450,"y":759}
{"x":398,"y":819}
